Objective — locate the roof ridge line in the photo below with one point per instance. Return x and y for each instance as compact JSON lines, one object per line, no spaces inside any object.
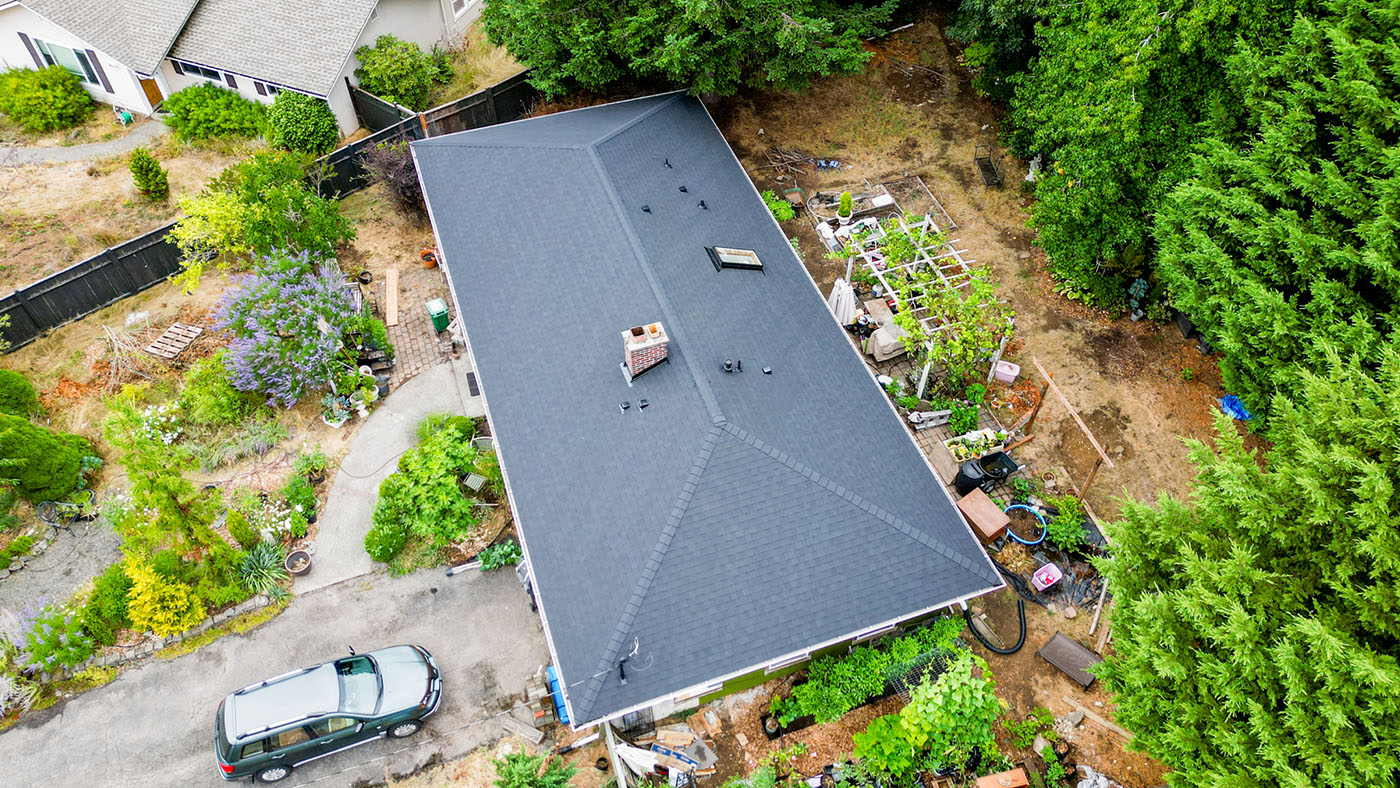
{"x":887,"y":517}
{"x":650,"y":569}
{"x":673,"y":325}
{"x":660,"y":105}
{"x":442,"y":142}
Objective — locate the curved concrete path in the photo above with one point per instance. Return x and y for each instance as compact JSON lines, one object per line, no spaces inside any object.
{"x":374,"y":454}
{"x":145,"y":131}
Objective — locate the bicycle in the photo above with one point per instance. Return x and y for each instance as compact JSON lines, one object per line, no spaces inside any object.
{"x":62,"y":514}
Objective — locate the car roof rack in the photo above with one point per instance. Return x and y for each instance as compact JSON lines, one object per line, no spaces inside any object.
{"x":273,"y":680}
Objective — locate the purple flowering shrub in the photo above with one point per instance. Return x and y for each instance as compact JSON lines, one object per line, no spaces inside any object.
{"x":55,"y":638}
{"x":287,"y":321}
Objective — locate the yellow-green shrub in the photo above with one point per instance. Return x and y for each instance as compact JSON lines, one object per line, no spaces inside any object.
{"x":165,"y":607}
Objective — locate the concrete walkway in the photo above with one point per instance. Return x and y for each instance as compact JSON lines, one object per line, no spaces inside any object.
{"x":144,"y":132}
{"x":374,"y":454}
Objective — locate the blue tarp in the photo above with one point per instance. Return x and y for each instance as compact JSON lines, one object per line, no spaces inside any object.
{"x":558,"y":692}
{"x":1233,"y":407}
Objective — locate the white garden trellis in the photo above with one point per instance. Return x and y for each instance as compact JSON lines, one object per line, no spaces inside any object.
{"x":933,"y":252}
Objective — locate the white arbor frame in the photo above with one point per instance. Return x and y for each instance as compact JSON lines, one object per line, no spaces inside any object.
{"x":932,"y":253}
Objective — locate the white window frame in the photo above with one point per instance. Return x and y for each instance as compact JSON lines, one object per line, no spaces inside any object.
{"x":457,"y":13}
{"x":85,"y":71}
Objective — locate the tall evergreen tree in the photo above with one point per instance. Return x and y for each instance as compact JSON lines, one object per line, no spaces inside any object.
{"x":1257,"y":628}
{"x":1116,"y":95}
{"x":1289,"y":245}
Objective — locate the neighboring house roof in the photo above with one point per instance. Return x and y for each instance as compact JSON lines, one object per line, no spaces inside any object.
{"x":138,"y":33}
{"x":738,"y":519}
{"x":302,"y":44}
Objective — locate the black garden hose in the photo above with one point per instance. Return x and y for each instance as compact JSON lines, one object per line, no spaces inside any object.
{"x":1021,"y":641}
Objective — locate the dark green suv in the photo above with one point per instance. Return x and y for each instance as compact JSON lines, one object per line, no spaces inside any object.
{"x":266,"y":729}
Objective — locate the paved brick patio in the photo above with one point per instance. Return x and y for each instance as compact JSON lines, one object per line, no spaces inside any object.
{"x":416,"y":343}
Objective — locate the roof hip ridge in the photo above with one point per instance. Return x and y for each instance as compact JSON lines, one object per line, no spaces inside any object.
{"x":650,"y":569}
{"x":875,"y":510}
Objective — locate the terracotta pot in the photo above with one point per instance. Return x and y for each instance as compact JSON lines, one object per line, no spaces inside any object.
{"x":298,"y":562}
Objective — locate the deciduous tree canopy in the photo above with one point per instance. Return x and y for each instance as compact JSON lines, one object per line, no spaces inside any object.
{"x":702,"y":45}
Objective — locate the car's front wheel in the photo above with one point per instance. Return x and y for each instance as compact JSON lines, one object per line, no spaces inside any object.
{"x":274,"y":774}
{"x":405,"y":729}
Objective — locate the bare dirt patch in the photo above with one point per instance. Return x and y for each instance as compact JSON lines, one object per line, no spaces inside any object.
{"x":53,"y":215}
{"x":892,"y":120}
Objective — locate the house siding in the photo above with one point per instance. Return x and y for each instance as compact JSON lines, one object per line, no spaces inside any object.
{"x":15,"y":19}
{"x":419,"y":21}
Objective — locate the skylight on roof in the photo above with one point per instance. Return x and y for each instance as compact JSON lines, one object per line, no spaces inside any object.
{"x":725,"y":257}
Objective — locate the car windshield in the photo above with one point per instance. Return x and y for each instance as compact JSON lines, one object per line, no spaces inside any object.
{"x":359,"y":685}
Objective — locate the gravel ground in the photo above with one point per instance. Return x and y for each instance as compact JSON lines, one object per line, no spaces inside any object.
{"x":72,"y":560}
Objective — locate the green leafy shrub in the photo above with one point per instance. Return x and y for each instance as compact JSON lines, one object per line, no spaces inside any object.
{"x":781,"y":209}
{"x":1054,"y":770}
{"x":946,"y":720}
{"x":8,"y":520}
{"x":425,"y":496}
{"x":56,"y":639}
{"x":501,"y":555}
{"x":908,"y":402}
{"x":302,"y":123}
{"x":310,"y":462}
{"x":385,"y":540}
{"x":51,"y":463}
{"x":976,"y":393}
{"x":17,"y":397}
{"x":963,"y":419}
{"x":519,"y":770}
{"x":254,"y":208}
{"x":1067,"y":528}
{"x":242,"y":532}
{"x":845,"y":205}
{"x":300,"y":495}
{"x":837,"y":684}
{"x":208,"y":398}
{"x":105,"y":611}
{"x":150,"y":178}
{"x":44,"y":100}
{"x":1022,"y":488}
{"x":371,"y":332}
{"x":261,"y":570}
{"x":157,"y":604}
{"x":207,"y":111}
{"x":1039,"y":722}
{"x":398,"y":71}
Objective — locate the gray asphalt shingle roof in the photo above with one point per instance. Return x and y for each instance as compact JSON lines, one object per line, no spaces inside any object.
{"x":740,"y":517}
{"x":136,"y":32}
{"x":302,"y":44}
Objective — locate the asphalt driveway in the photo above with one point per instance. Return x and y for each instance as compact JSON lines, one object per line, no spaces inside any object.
{"x":153,"y":725}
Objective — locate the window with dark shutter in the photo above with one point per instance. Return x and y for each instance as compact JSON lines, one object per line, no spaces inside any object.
{"x":258,"y":86}
{"x":231,"y":83}
{"x":176,"y":65}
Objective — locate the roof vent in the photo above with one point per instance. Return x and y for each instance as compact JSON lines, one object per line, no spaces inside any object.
{"x":644,"y":347}
{"x":724,"y":257}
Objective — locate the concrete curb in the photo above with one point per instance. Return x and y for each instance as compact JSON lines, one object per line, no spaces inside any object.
{"x":142,"y":650}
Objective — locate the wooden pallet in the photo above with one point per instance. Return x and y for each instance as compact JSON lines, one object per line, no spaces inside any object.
{"x":174,"y":340}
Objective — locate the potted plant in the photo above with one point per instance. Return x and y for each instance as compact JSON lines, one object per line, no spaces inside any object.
{"x":311,"y":465}
{"x":844,"y":208}
{"x":334,"y":412}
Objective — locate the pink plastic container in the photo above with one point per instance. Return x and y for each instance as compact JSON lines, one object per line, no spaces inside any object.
{"x":1006,"y":371}
{"x":1046,"y":576}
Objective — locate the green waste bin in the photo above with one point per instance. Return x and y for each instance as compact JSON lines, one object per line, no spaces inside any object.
{"x":437,"y":310}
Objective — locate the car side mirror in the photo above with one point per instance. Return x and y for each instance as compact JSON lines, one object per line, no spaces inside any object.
{"x":352,"y":650}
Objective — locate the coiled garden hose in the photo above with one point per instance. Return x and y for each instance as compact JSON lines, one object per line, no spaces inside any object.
{"x":1020,"y":641}
{"x":1044,"y":527}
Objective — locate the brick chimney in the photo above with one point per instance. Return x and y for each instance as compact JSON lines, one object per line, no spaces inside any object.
{"x":644,"y":347}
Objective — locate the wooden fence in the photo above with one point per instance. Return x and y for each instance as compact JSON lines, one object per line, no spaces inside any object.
{"x":147,"y":260}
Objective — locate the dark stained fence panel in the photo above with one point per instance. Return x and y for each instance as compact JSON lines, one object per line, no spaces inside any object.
{"x":147,"y":260}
